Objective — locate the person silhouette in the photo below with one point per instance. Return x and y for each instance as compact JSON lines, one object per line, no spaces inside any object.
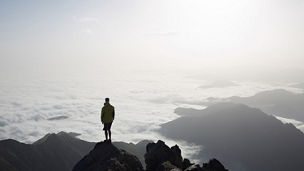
{"x":107,"y":117}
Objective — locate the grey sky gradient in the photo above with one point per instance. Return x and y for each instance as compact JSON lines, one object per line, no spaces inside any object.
{"x":61,"y":58}
{"x":151,"y":34}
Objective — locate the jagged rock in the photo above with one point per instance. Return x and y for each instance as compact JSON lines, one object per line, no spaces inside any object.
{"x":194,"y":167}
{"x":158,"y":153}
{"x":105,"y":156}
{"x":214,"y":164}
{"x":186,"y":163}
{"x":178,"y":160}
{"x":159,"y":157}
{"x":167,"y":166}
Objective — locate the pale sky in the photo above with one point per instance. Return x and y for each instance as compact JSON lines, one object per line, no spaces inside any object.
{"x":151,"y":34}
{"x":63,"y":57}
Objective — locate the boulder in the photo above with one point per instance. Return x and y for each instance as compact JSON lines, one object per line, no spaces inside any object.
{"x":212,"y":165}
{"x":158,"y":153}
{"x":105,"y":156}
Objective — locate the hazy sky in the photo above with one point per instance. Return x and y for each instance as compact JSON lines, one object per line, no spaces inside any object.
{"x":119,"y":34}
{"x":98,"y":40}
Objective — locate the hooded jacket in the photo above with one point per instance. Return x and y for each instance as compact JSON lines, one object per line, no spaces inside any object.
{"x":107,"y":113}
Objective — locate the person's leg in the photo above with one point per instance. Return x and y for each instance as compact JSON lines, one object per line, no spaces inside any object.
{"x":109,"y":135}
{"x":106,"y":133}
{"x":109,"y":129}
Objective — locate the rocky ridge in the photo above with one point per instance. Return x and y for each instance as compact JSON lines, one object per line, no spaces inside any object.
{"x":159,"y":157}
{"x":105,"y":156}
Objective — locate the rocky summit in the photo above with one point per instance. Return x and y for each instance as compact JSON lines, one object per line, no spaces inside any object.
{"x":105,"y":156}
{"x":158,"y":157}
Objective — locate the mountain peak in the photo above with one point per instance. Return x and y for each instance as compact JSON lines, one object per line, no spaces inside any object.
{"x":55,"y":137}
{"x":243,"y":137}
{"x":105,"y":156}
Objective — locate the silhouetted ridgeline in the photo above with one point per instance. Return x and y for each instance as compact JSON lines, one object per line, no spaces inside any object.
{"x":278,"y":102}
{"x":241,"y":137}
{"x":53,"y":152}
{"x":63,"y":151}
{"x":158,"y":157}
{"x":58,"y":152}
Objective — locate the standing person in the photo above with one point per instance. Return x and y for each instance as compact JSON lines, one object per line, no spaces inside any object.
{"x":107,"y":117}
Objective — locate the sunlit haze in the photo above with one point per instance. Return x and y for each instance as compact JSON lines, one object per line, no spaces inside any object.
{"x":59,"y":60}
{"x":151,"y":34}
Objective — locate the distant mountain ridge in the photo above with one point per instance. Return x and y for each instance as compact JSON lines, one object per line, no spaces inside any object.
{"x":241,"y":137}
{"x":58,"y":152}
{"x":277,"y":102}
{"x":53,"y":152}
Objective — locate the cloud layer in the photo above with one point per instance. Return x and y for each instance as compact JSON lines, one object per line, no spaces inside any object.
{"x":31,"y":108}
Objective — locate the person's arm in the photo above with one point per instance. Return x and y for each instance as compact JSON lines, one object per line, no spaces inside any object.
{"x":113,"y":113}
{"x":102,"y":114}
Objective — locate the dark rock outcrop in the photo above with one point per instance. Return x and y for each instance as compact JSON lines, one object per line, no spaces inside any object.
{"x":213,"y":165}
{"x":167,"y":166}
{"x":159,"y":152}
{"x":159,"y":157}
{"x":105,"y":156}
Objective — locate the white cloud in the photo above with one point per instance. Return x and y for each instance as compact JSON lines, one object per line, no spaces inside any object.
{"x":296,"y":123}
{"x":87,"y":31}
{"x":143,"y":101}
{"x":163,"y":34}
{"x":86,"y":19}
{"x":86,"y":24}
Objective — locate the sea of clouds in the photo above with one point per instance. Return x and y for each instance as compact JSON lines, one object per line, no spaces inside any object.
{"x":33,"y":107}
